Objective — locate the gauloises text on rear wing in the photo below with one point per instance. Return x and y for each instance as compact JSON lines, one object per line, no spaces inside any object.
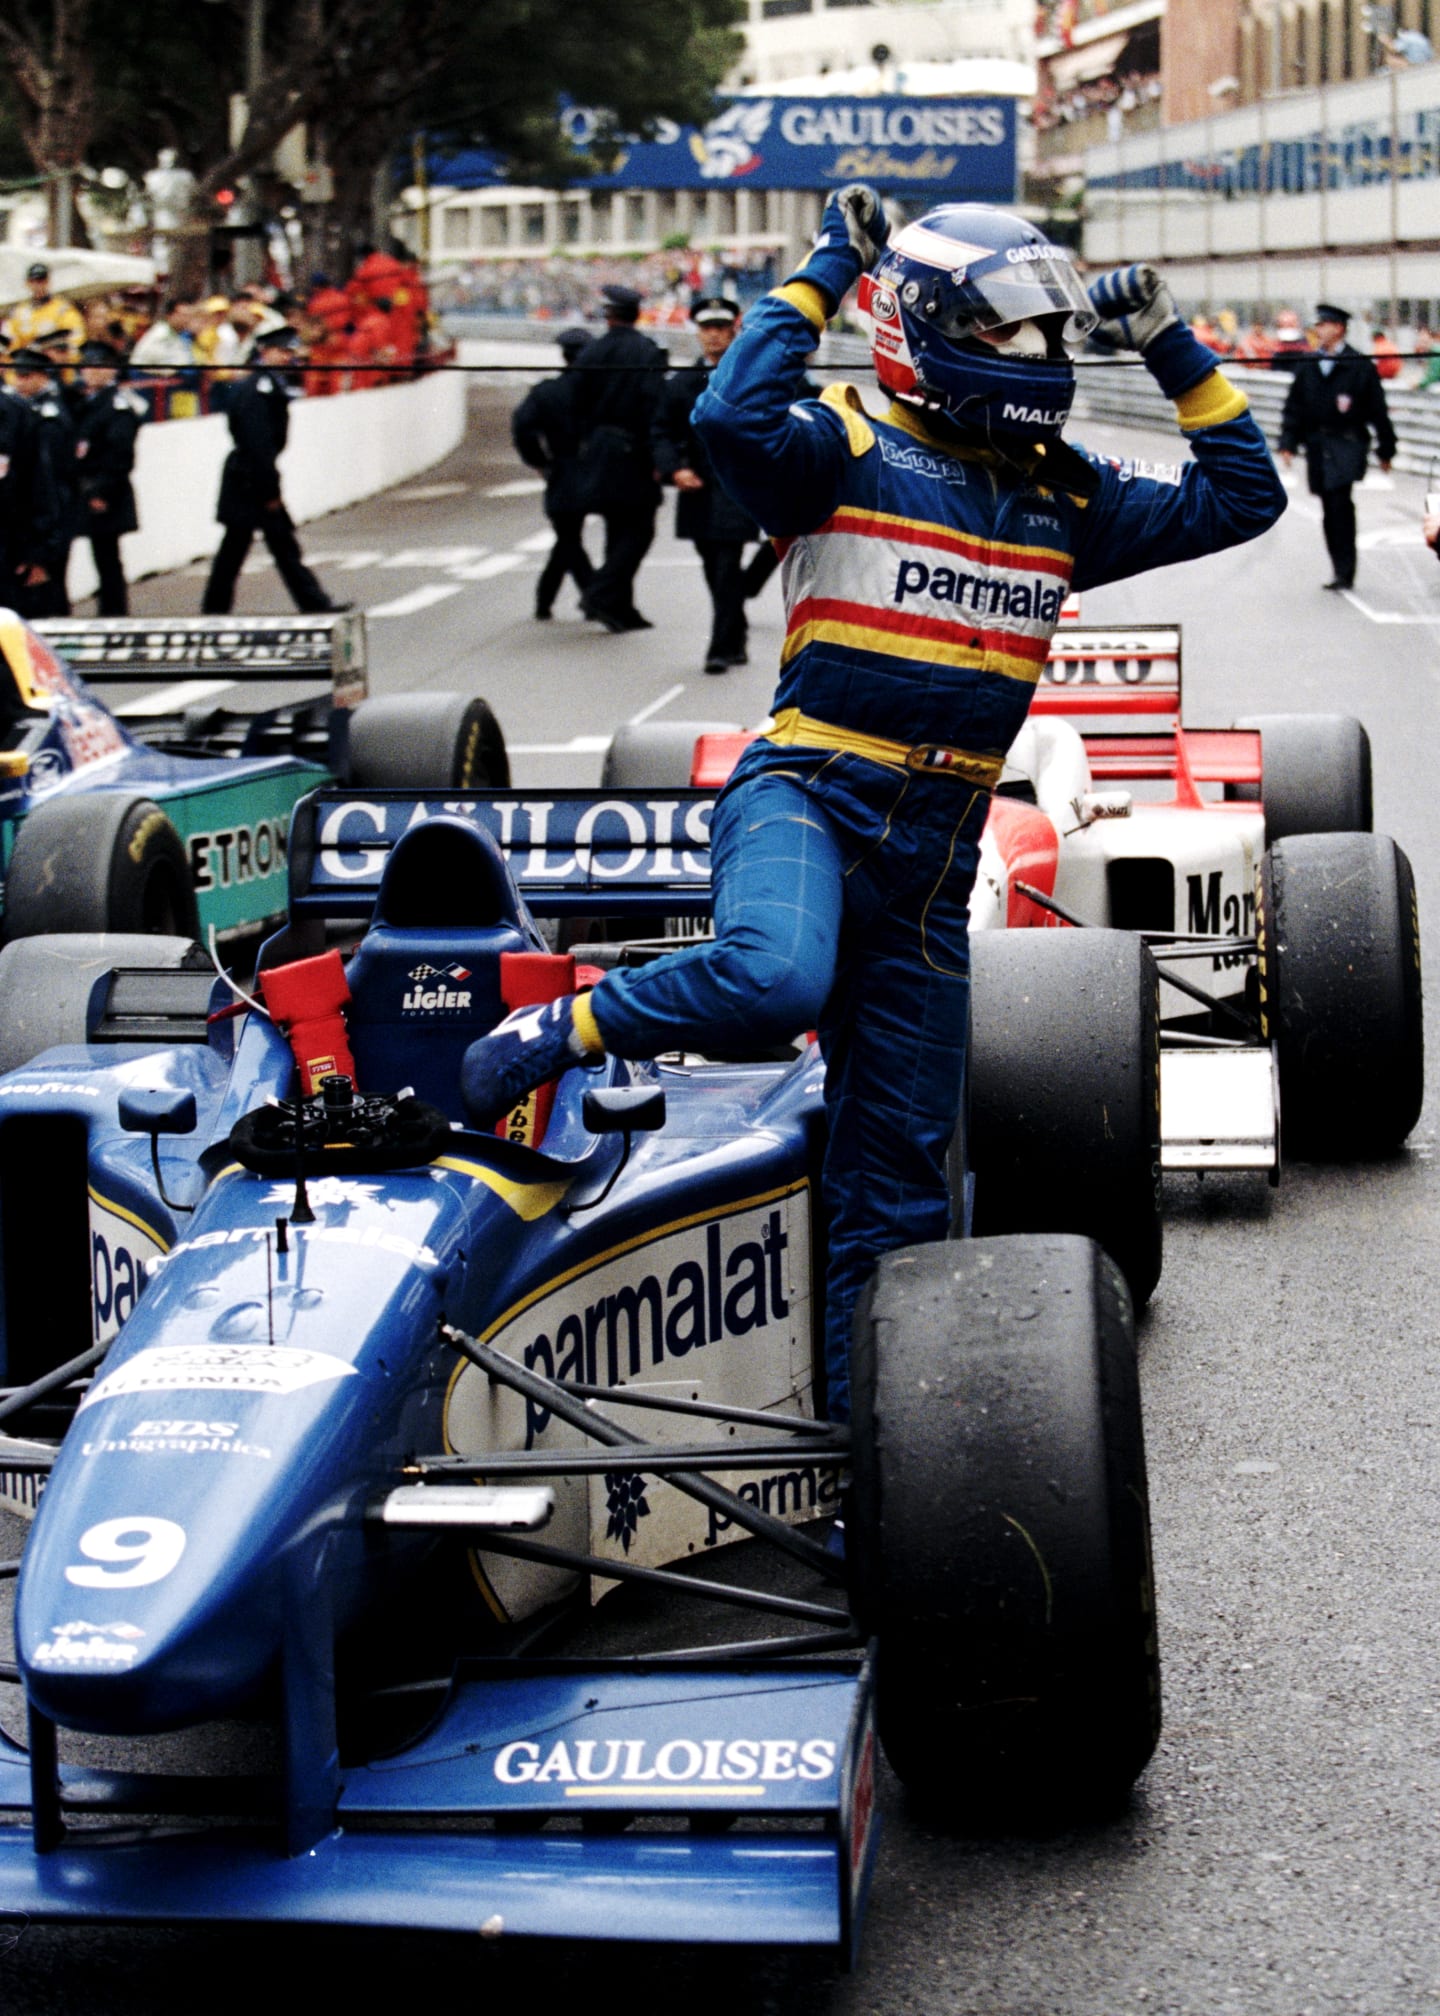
{"x":571,"y":852}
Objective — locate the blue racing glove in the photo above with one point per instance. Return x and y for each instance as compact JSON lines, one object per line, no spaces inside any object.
{"x":853,"y":234}
{"x":1137,"y":312}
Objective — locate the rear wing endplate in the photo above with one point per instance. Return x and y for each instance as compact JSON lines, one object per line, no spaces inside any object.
{"x":139,"y":650}
{"x":1127,"y":675}
{"x":630,"y":854}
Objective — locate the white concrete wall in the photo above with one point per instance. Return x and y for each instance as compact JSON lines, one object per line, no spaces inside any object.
{"x":340,"y":450}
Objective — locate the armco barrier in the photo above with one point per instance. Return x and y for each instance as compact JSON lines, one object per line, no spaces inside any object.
{"x":1127,"y":395}
{"x":340,"y":450}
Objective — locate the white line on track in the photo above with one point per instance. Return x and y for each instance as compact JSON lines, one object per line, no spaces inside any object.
{"x":523,"y":487}
{"x":416,"y":600}
{"x":172,"y":699}
{"x":1384,"y":615}
{"x":583,"y":745}
{"x":655,"y":706}
{"x":484,"y":570}
{"x":435,"y":556}
{"x":538,"y":542}
{"x":421,"y":493}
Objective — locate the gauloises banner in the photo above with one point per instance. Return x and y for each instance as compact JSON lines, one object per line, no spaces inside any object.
{"x":960,"y":148}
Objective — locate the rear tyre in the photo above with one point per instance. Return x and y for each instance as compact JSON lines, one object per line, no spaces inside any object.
{"x":998,"y":1528}
{"x":1339,"y":972}
{"x":656,"y":755}
{"x":427,"y":742}
{"x":1064,"y":1124}
{"x":1314,"y":775}
{"x":46,"y":984}
{"x":99,"y":862}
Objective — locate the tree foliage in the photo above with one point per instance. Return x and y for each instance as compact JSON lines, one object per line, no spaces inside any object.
{"x":109,"y":82}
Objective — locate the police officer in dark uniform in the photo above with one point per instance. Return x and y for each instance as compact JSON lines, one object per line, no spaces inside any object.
{"x":618,"y":380}
{"x":1334,"y":403}
{"x":543,"y":429}
{"x":704,"y":512}
{"x":55,"y":449}
{"x":106,"y":424}
{"x":250,"y":500}
{"x":27,"y":502}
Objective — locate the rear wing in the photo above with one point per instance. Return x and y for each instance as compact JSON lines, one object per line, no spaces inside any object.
{"x":1129,"y":675}
{"x":571,"y":853}
{"x":139,"y":650}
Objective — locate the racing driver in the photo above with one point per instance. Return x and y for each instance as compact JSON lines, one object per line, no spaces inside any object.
{"x":925,"y":558}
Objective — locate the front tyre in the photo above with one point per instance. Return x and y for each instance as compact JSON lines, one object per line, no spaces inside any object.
{"x":99,"y":861}
{"x":999,"y":1527}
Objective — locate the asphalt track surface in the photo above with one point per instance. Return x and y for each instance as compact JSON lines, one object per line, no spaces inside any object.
{"x":1281,"y":1855}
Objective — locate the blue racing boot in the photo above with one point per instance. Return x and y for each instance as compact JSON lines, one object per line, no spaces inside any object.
{"x":529,"y":1047}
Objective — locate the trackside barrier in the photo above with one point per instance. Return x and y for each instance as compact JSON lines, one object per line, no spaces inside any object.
{"x":341,"y":450}
{"x":1124,"y":394}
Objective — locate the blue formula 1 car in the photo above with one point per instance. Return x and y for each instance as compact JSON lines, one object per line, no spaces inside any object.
{"x":177,"y":820}
{"x":424,"y":1451}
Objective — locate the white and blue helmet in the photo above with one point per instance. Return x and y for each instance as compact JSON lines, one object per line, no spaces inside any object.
{"x":975,"y":311}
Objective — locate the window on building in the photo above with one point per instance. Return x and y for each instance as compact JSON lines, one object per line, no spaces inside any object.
{"x":634,"y":219}
{"x":532,"y":223}
{"x":771,"y":10}
{"x":570,"y":219}
{"x":495,"y":224}
{"x":722,"y":213}
{"x":455,"y":228}
{"x":601,"y":218}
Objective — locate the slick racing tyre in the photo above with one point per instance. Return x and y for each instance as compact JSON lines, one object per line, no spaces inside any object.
{"x":1339,"y":978}
{"x":46,"y":984}
{"x":427,"y":742}
{"x":656,"y":755}
{"x":1314,"y":775}
{"x":998,"y":1528}
{"x":99,"y":862}
{"x":1064,"y":1120}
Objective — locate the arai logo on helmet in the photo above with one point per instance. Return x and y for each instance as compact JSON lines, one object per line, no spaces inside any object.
{"x":1036,"y":416}
{"x":883,"y":305}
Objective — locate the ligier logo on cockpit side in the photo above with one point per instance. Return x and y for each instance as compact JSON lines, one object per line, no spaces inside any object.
{"x":436,"y":990}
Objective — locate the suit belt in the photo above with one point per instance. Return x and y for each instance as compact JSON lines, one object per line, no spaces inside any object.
{"x":792,"y":729}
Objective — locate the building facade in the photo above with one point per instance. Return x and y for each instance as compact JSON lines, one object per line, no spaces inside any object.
{"x":1326,"y":193}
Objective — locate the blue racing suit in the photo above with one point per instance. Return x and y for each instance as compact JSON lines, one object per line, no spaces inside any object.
{"x":923,"y":578}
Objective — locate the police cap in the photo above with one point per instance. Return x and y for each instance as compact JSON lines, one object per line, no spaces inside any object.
{"x":30,"y":359}
{"x":715,"y":308}
{"x":621,"y":302}
{"x":281,"y":337}
{"x":572,"y":341}
{"x":1326,"y":311}
{"x":39,"y":271}
{"x":94,"y":351}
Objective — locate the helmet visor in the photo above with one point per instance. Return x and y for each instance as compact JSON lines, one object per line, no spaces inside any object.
{"x":1020,"y":284}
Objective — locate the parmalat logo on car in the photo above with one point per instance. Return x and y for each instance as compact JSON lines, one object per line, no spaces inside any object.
{"x":718,"y":1278}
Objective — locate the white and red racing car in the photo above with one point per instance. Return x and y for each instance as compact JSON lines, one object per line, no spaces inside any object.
{"x":1285,"y":929}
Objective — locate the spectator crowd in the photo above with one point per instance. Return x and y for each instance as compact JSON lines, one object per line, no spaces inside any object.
{"x":81,"y":380}
{"x":563,"y":289}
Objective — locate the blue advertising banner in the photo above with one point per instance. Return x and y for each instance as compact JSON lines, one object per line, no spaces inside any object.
{"x":957,"y":148}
